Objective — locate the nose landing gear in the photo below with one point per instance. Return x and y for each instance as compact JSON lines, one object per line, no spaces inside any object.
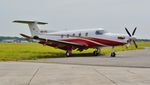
{"x":113,"y":54}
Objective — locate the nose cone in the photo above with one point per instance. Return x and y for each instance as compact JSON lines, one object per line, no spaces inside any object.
{"x":133,"y":37}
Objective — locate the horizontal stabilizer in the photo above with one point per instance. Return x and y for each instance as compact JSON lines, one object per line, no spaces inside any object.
{"x":26,"y":36}
{"x":28,"y":22}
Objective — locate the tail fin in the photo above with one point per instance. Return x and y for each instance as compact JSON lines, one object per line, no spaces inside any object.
{"x":32,"y":25}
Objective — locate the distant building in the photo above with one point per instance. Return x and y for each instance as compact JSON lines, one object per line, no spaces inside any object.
{"x":9,"y":40}
{"x":24,"y":41}
{"x":14,"y":41}
{"x":4,"y":39}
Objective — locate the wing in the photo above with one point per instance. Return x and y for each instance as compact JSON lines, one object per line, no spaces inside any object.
{"x":54,"y":43}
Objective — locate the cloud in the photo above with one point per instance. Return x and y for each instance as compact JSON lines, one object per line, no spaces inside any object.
{"x":112,"y":15}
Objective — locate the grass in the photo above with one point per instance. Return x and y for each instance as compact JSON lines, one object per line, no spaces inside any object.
{"x":32,"y":51}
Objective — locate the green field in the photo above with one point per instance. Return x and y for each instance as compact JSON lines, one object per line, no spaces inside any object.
{"x":28,"y":51}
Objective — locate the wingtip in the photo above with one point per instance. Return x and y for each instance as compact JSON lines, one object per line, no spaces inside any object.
{"x":26,"y":36}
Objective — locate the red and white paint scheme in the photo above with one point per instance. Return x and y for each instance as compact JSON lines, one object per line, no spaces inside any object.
{"x":78,"y":39}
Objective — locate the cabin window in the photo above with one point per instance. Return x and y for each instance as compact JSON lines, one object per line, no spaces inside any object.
{"x":62,"y":36}
{"x":79,"y":34}
{"x":99,"y":32}
{"x":44,"y":31}
{"x":86,"y":34}
{"x":67,"y":35}
{"x":73,"y":34}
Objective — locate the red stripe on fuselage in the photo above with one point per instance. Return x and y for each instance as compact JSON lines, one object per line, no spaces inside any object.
{"x":87,"y":43}
{"x":80,"y":41}
{"x":107,"y":42}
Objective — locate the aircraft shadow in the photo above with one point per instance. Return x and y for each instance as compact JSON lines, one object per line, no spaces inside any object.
{"x":62,"y":55}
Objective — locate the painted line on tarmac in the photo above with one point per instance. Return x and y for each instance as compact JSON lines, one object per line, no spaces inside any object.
{"x":115,"y":83}
{"x":33,"y":75}
{"x":91,"y":64}
{"x":100,"y":65}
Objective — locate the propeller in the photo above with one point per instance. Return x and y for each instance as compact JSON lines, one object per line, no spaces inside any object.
{"x":131,"y":38}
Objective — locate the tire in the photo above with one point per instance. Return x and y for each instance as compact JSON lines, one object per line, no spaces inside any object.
{"x":68,"y":53}
{"x":113,"y":54}
{"x":95,"y":53}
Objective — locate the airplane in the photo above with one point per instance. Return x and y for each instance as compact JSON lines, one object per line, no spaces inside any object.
{"x":80,"y":40}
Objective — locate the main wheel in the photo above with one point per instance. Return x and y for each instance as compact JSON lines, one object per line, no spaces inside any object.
{"x":68,"y":53}
{"x":95,"y":53}
{"x":113,"y":54}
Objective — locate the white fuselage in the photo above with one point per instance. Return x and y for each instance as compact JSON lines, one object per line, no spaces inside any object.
{"x":76,"y":34}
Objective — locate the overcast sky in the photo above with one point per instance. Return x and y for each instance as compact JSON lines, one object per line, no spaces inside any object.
{"x":112,"y":15}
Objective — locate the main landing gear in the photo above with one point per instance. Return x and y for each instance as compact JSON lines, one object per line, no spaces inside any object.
{"x":113,"y":54}
{"x":69,"y":52}
{"x":96,"y":52}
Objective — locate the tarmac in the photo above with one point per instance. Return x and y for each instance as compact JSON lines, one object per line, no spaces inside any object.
{"x":133,"y":58}
{"x":128,"y":68}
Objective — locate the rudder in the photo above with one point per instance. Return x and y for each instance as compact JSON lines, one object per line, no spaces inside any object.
{"x":35,"y":31}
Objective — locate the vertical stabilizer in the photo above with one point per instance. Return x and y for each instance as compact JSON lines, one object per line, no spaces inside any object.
{"x":35,"y":31}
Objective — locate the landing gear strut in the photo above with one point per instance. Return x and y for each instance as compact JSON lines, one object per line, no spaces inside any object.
{"x":96,"y":52}
{"x":69,"y":52}
{"x":113,"y":54}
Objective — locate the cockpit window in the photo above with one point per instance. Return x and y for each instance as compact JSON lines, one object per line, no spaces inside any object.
{"x":79,"y":34}
{"x":67,"y":35}
{"x":86,"y":34}
{"x":73,"y":34}
{"x":62,"y":36}
{"x":99,"y":32}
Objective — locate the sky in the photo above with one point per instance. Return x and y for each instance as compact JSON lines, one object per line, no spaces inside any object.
{"x":112,"y":15}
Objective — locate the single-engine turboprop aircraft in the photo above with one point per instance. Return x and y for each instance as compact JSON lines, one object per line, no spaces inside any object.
{"x":78,"y":39}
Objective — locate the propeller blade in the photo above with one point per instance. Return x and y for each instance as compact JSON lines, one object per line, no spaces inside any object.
{"x":135,"y":43}
{"x":127,"y":31}
{"x":134,"y":31}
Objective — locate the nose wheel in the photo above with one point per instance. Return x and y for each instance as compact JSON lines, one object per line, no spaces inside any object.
{"x":113,"y":54}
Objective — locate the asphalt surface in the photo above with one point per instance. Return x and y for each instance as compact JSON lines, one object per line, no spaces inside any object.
{"x":135,"y":58}
{"x":128,"y":68}
{"x":26,"y":73}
